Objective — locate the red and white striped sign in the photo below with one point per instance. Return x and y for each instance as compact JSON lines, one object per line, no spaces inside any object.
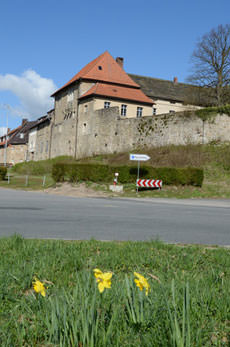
{"x":149,"y":183}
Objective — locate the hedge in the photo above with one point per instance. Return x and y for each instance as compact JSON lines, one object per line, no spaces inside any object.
{"x":40,"y":167}
{"x":74,"y":172}
{"x":3,"y":171}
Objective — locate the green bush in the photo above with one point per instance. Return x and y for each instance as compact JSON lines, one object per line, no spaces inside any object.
{"x":40,"y":167}
{"x":212,"y":111}
{"x":127,"y":174}
{"x":3,"y":171}
{"x":58,"y":172}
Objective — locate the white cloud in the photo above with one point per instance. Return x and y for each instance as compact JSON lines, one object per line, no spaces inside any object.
{"x":2,"y":131}
{"x":33,"y":92}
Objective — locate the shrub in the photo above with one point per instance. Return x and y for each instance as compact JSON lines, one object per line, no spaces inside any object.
{"x":209,"y":112}
{"x":58,"y":172}
{"x":127,"y":174}
{"x":3,"y":171}
{"x":88,"y":172}
{"x":40,"y":167}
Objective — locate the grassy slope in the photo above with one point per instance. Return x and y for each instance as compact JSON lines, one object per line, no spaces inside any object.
{"x":215,"y":159}
{"x":73,"y":304}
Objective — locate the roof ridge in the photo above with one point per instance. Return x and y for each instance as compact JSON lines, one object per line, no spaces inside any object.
{"x":163,"y":80}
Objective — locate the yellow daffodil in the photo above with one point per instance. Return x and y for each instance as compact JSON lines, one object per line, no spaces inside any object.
{"x":141,"y":282}
{"x":103,"y":279}
{"x":39,"y":287}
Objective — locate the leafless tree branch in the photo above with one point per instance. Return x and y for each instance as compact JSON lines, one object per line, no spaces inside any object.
{"x":211,"y":63}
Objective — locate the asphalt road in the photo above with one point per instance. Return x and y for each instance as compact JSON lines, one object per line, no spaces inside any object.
{"x":40,"y":215}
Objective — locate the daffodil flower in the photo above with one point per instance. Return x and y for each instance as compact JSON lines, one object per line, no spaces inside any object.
{"x":103,"y":279}
{"x":39,"y":287}
{"x":141,"y":283}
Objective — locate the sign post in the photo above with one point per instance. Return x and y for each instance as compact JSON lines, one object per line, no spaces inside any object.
{"x":138,"y":158}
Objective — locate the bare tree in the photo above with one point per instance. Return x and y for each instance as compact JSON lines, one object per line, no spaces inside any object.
{"x":211,"y":64}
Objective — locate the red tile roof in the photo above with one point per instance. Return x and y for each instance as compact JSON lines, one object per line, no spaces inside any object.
{"x":13,"y":131}
{"x":105,"y":69}
{"x":118,"y":92}
{"x":10,"y":133}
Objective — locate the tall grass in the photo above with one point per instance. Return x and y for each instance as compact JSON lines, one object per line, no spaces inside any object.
{"x":189,"y":307}
{"x":176,"y":156}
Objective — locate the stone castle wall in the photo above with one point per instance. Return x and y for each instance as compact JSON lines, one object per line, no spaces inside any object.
{"x":63,"y":138}
{"x":104,"y":131}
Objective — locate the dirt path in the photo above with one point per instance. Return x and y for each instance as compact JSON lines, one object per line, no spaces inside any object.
{"x":79,"y":190}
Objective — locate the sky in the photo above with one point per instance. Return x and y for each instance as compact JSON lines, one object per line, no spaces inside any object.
{"x":45,"y":43}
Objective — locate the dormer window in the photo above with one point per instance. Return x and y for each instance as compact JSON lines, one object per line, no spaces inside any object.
{"x":21,"y":136}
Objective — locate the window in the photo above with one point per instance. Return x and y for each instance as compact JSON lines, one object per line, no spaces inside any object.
{"x":154,"y":111}
{"x":171,"y":111}
{"x":47,"y":146}
{"x":41,"y":148}
{"x":106,"y":104}
{"x":139,"y":112}
{"x":123,"y":110}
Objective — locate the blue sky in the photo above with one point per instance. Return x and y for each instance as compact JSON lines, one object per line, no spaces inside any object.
{"x":45,"y":43}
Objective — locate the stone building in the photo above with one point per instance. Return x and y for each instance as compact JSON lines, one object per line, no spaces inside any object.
{"x":102,"y":109}
{"x":100,"y":84}
{"x":39,"y":140}
{"x":104,"y":84}
{"x":13,"y":145}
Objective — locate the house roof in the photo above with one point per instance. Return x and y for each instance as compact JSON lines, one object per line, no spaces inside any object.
{"x":118,"y":92}
{"x":9,"y":135}
{"x":104,"y":69}
{"x":41,"y":120}
{"x":14,"y":130}
{"x":17,"y":139}
{"x":14,"y":136}
{"x":156,"y":88}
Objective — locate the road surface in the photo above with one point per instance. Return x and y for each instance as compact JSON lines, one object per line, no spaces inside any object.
{"x":41,"y":215}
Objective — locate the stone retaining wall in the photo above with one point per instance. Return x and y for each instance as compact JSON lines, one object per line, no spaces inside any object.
{"x":104,"y":131}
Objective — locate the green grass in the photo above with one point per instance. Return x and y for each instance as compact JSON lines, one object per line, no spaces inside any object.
{"x":189,"y":307}
{"x":31,"y":182}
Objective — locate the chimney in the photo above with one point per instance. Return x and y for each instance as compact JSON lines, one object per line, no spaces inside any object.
{"x":24,"y":121}
{"x":120,"y":61}
{"x":175,"y":80}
